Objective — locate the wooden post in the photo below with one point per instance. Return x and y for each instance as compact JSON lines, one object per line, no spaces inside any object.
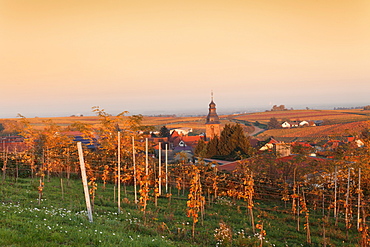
{"x":5,"y":161}
{"x":84,"y":181}
{"x":146,"y":163}
{"x":359,"y":198}
{"x":133,"y":159}
{"x":114,"y":192}
{"x":347,"y":198}
{"x":335,"y":191}
{"x":166,"y":168}
{"x":146,"y":157}
{"x":159,"y":170}
{"x":119,"y":173}
{"x":61,"y":186}
{"x":298,"y":209}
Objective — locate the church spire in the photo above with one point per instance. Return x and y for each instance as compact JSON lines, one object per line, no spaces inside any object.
{"x":212,"y":114}
{"x":212,"y":122}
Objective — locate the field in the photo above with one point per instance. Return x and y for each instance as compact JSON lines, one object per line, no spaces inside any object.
{"x":61,"y":220}
{"x":196,"y":123}
{"x":319,"y":132}
{"x":335,"y":116}
{"x":337,"y":122}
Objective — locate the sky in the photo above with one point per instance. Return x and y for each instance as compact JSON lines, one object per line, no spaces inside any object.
{"x":62,"y":57}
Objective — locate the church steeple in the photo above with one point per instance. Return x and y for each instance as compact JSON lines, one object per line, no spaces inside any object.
{"x":213,"y":122}
{"x":212,"y":116}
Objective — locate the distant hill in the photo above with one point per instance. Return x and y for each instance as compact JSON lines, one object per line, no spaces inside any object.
{"x":333,"y":117}
{"x":319,"y":132}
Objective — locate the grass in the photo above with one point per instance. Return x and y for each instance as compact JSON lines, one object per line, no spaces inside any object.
{"x":63,"y":221}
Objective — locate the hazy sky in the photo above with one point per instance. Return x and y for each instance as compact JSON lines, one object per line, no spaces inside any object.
{"x":59,"y":58}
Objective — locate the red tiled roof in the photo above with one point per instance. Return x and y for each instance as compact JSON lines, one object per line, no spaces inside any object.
{"x":229,"y":166}
{"x":158,"y":139}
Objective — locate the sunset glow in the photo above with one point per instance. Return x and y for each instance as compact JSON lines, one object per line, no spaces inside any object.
{"x":63,"y":57}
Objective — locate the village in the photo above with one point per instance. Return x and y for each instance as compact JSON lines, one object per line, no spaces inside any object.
{"x":175,"y":144}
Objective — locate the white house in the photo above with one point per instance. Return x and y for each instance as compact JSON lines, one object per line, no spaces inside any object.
{"x":285,"y":124}
{"x":182,"y":131}
{"x":304,"y":123}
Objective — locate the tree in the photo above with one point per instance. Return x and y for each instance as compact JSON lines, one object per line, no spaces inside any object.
{"x":273,"y":124}
{"x":201,"y":149}
{"x":234,"y":143}
{"x":1,"y":127}
{"x":278,"y":108}
{"x":164,"y":131}
{"x":213,"y":147}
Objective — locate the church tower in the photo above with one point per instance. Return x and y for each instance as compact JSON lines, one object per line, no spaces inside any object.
{"x":212,"y":123}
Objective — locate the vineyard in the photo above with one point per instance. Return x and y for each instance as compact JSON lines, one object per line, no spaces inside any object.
{"x":196,"y":123}
{"x":333,"y":116}
{"x":201,"y":206}
{"x":137,"y":198}
{"x":319,"y":132}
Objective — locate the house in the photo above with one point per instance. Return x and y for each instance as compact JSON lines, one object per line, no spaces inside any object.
{"x":175,"y":144}
{"x":359,"y":143}
{"x":294,"y":124}
{"x":304,"y":123}
{"x":311,"y":123}
{"x":285,"y":125}
{"x":12,"y":144}
{"x":158,"y":139}
{"x":318,"y":122}
{"x":278,"y":147}
{"x":181,"y":131}
{"x":269,"y":145}
{"x":91,"y":142}
{"x":282,"y":149}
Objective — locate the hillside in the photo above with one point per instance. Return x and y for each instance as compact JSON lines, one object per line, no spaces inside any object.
{"x":333,"y":116}
{"x":319,"y":132}
{"x":196,"y":123}
{"x":351,"y":120}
